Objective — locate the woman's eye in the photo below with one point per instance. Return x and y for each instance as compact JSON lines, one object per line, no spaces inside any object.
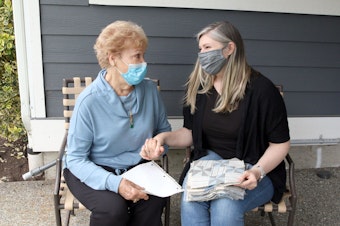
{"x":204,"y":49}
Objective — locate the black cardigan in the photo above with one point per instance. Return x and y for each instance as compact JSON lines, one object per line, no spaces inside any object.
{"x":264,"y":121}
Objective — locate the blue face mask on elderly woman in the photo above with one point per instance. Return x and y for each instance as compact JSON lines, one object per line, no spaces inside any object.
{"x":212,"y":61}
{"x":135,"y":74}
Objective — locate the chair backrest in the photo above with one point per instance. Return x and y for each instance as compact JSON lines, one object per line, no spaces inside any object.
{"x":157,"y":83}
{"x":71,"y":89}
{"x":280,"y":88}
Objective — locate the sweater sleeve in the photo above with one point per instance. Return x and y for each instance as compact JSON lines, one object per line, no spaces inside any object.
{"x":77,"y":159}
{"x":276,"y":120}
{"x":188,"y":119}
{"x":78,"y":162}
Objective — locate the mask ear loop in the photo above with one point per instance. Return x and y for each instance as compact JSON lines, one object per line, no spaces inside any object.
{"x":120,"y":57}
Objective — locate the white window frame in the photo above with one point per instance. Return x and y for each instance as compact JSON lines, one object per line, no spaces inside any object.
{"x":317,"y":7}
{"x":29,"y":52}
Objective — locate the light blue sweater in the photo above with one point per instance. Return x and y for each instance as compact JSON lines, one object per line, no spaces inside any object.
{"x":100,"y":132}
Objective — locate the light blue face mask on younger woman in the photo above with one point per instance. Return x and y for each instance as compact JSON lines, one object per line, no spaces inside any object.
{"x":135,"y":74}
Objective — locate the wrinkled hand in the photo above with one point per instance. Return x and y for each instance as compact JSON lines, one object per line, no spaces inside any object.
{"x":152,"y":149}
{"x":131,"y":191}
{"x":248,"y":179}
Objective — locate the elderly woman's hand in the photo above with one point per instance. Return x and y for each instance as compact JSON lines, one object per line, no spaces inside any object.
{"x":152,"y":149}
{"x":131,"y":191}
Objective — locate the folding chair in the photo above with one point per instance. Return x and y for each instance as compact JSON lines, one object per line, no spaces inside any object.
{"x":289,"y":199}
{"x":63,"y":198}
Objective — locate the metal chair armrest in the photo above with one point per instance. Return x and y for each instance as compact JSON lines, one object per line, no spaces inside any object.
{"x":59,"y":165}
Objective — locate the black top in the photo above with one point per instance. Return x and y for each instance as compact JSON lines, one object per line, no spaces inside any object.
{"x":264,"y":120}
{"x":220,"y":130}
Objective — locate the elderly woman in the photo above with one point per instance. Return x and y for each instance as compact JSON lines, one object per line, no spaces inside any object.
{"x":111,"y":120}
{"x":230,"y":111}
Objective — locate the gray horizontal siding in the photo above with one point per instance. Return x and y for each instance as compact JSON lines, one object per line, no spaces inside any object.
{"x":300,"y":52}
{"x":170,"y":22}
{"x":78,"y":49}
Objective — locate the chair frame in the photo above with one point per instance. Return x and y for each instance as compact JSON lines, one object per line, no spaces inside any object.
{"x":63,"y":198}
{"x":289,"y":199}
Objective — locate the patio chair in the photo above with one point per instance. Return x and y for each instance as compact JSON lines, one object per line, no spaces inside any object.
{"x":63,"y":198}
{"x":289,"y":199}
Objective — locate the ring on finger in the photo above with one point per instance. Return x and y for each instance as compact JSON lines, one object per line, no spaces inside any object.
{"x":135,"y":200}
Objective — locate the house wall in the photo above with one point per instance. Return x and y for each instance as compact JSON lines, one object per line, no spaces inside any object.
{"x":295,"y":44}
{"x":54,"y":39}
{"x":299,"y":51}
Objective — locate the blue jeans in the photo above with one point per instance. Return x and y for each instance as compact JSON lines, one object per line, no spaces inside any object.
{"x":224,"y":211}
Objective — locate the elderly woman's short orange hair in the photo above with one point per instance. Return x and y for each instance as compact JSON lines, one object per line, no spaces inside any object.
{"x":116,"y":37}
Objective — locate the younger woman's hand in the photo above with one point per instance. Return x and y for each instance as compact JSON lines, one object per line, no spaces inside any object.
{"x":248,"y":179}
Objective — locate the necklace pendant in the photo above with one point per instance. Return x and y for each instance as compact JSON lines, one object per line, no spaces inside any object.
{"x":131,"y":120}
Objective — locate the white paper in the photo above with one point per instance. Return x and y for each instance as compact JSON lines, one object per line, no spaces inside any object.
{"x":153,"y":179}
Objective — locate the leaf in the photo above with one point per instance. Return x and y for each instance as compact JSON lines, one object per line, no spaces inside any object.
{"x":11,"y":126}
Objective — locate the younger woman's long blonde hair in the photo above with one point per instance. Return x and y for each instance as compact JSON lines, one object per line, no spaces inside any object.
{"x":235,"y":75}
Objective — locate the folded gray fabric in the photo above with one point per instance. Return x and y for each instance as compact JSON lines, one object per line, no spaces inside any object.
{"x":213,"y":179}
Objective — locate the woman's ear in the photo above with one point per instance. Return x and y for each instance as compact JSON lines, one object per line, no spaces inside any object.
{"x":230,"y":48}
{"x":112,"y":59}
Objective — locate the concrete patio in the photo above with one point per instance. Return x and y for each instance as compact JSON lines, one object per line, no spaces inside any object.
{"x":30,"y":203}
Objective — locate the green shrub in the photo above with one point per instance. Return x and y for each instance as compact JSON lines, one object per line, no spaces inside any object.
{"x":11,"y":125}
